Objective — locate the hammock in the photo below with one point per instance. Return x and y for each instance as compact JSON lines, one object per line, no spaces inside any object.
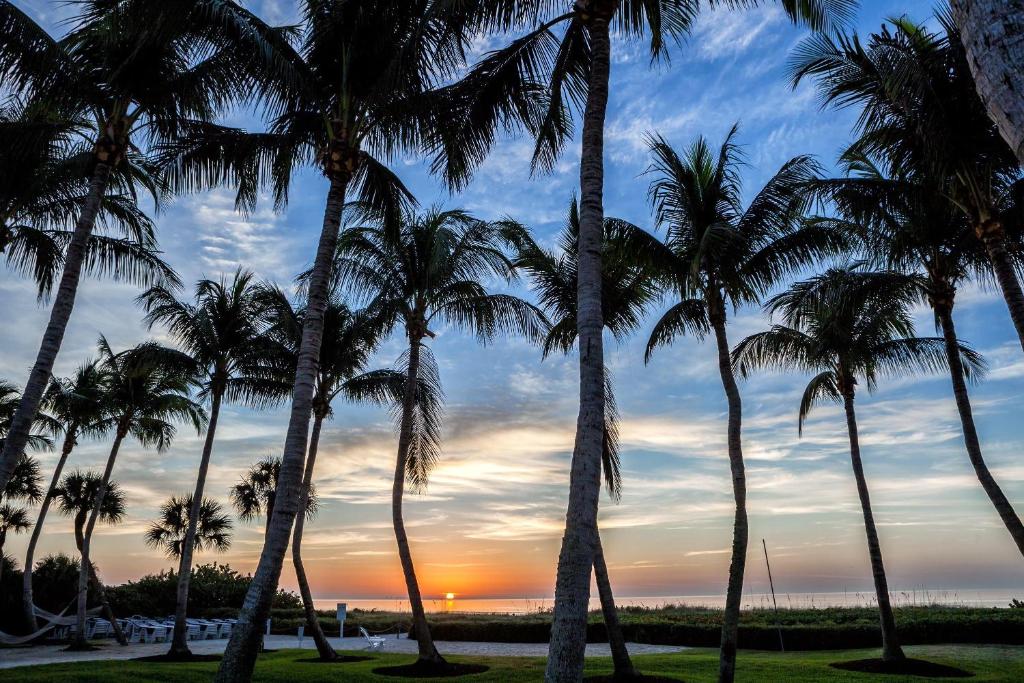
{"x":53,"y":621}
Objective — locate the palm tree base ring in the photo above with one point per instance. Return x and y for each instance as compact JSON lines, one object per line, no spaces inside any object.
{"x":906,"y":667}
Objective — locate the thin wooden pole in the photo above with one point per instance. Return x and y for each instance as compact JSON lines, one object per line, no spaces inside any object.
{"x":771,"y":584}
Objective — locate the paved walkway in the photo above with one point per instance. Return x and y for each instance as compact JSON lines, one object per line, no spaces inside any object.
{"x":55,"y":654}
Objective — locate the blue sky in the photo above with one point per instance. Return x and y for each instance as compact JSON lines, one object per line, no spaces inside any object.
{"x":491,"y":521}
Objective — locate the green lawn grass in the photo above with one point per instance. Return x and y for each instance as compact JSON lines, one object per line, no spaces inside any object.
{"x":988,"y":663}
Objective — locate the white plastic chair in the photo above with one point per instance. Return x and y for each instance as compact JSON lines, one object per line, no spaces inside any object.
{"x":372,"y":642}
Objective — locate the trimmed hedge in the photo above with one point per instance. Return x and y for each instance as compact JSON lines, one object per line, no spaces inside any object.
{"x":825,"y":629}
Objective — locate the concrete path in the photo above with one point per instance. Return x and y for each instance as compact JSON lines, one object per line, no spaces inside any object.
{"x":55,"y":654}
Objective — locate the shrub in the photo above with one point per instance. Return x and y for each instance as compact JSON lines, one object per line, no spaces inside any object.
{"x":213,"y":587}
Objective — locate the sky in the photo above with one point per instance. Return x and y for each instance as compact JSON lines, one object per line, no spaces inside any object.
{"x":490,"y":522}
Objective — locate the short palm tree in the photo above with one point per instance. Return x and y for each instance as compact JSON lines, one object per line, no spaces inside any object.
{"x":14,"y":520}
{"x":911,"y":227}
{"x":221,"y":330}
{"x":357,"y":100}
{"x":575,"y":70}
{"x":849,"y":326}
{"x":349,"y":339}
{"x":76,"y":495}
{"x":921,"y":112}
{"x":25,"y":482}
{"x":126,"y":74}
{"x":77,"y":406}
{"x":256,"y":494}
{"x":170,"y":532}
{"x":722,"y":255}
{"x":37,"y":439}
{"x":420,"y":271}
{"x":148,"y":390}
{"x":627,"y":289}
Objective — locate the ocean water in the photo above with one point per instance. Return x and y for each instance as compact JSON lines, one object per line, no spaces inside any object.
{"x":954,"y":597}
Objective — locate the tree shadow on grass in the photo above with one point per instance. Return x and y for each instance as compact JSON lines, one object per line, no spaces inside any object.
{"x":182,"y":659}
{"x":421,"y":669}
{"x":905,"y":667}
{"x":340,"y":659}
{"x":638,"y":678}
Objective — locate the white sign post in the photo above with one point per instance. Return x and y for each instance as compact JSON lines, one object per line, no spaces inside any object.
{"x":342,"y":611}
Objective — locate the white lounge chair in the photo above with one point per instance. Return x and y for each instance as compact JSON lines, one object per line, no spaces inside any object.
{"x":152,"y":631}
{"x":97,"y":628}
{"x":193,"y":631}
{"x":133,"y":633}
{"x":224,"y":627}
{"x":372,"y":642}
{"x":207,"y":629}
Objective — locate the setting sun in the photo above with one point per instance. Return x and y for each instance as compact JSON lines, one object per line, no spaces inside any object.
{"x":449,"y":596}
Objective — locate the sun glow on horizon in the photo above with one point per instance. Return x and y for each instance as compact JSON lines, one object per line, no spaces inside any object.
{"x":449,"y":596}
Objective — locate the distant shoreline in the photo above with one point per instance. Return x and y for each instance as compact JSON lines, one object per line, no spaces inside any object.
{"x":862,"y":598}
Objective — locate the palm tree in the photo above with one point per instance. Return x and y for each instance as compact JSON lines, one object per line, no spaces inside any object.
{"x":24,"y":483}
{"x":76,"y":496}
{"x":849,"y":326}
{"x":990,"y":30}
{"x":911,"y":227}
{"x":357,"y":100}
{"x":577,"y":70}
{"x":627,"y":288}
{"x":147,"y":390}
{"x":170,"y":532}
{"x":221,"y":331}
{"x":257,"y":493}
{"x":37,"y":440}
{"x":722,"y":255}
{"x":348,"y":341}
{"x":77,"y":406}
{"x":920,"y":110}
{"x":418,"y":271}
{"x":14,"y":520}
{"x":126,"y":73}
{"x":43,"y":189}
{"x":25,"y":480}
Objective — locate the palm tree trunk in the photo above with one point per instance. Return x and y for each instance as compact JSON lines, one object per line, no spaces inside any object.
{"x":425,"y":643}
{"x":327,"y":652}
{"x":63,"y":303}
{"x":963,"y":405}
{"x":270,"y":515}
{"x":101,"y":593}
{"x":734,"y":591}
{"x":891,"y":649}
{"x":26,"y":586}
{"x":179,"y":642}
{"x":616,"y":640}
{"x":108,"y":612}
{"x":994,"y":238}
{"x":85,"y":569}
{"x":993,"y":33}
{"x":240,"y":655}
{"x":572,"y":586}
